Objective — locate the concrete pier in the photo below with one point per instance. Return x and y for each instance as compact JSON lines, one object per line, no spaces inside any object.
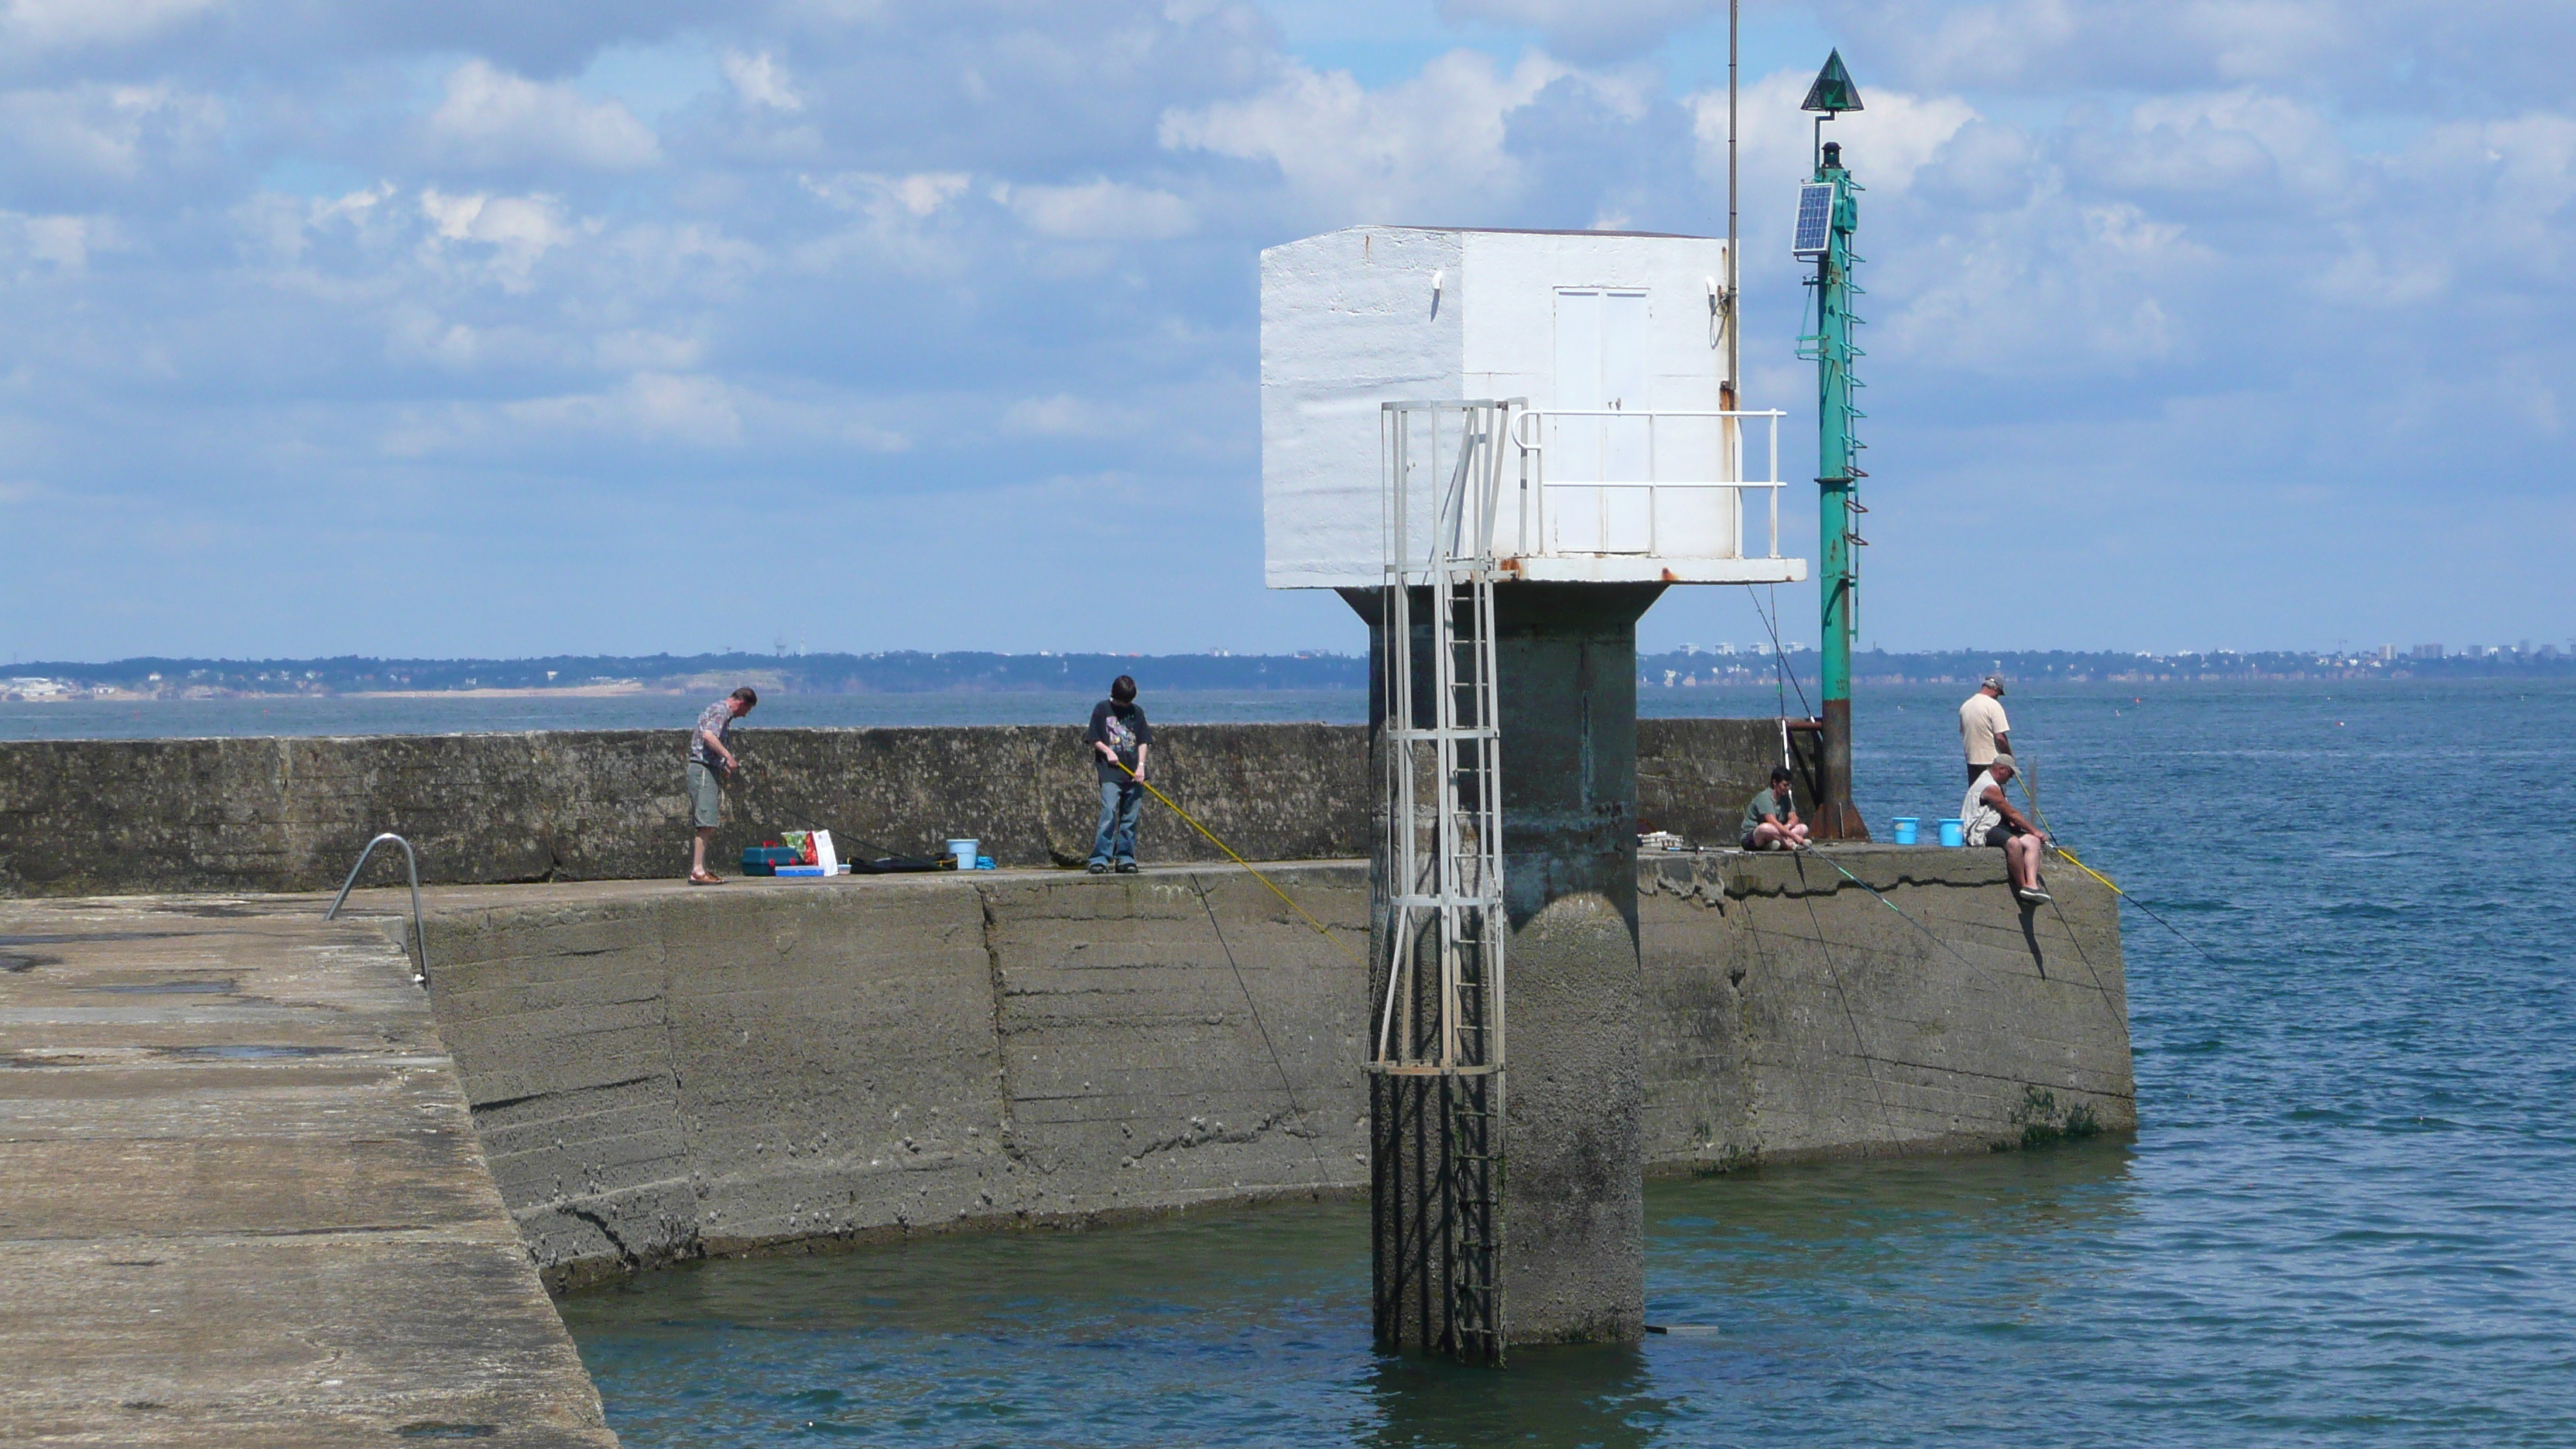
{"x":241,"y":1201}
{"x":242,"y":1205}
{"x":661,"y":1073}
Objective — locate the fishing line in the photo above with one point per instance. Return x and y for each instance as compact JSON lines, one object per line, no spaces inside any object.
{"x":1884,"y":901}
{"x":1323,"y":1174}
{"x":1780,"y":657}
{"x":1850,"y":1018}
{"x":1320,"y":928}
{"x":2030,"y":792}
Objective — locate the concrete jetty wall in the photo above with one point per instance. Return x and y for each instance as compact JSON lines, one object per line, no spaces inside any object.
{"x":121,"y":817}
{"x":658,"y":1073}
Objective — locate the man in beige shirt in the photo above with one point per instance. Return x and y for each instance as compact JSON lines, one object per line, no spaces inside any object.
{"x":1982,"y":726}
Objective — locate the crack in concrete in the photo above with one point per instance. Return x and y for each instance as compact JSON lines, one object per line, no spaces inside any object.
{"x":625,"y":1254}
{"x":1001,"y":1041}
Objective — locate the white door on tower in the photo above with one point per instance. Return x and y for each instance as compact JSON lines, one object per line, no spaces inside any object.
{"x":1600,"y":368}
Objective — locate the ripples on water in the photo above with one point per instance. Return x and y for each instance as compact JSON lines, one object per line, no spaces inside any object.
{"x":2345,"y":1220}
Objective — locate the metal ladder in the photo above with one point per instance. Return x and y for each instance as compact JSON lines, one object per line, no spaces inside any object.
{"x":1439,"y":1043}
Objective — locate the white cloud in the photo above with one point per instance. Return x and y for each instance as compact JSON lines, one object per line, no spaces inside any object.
{"x":903,"y":221}
{"x":919,"y":195}
{"x":1101,"y":210}
{"x":50,"y":24}
{"x":651,"y":406}
{"x":2232,"y":144}
{"x":491,"y":118}
{"x":1590,"y":29}
{"x":231,"y":260}
{"x":518,"y":230}
{"x":2397,"y":53}
{"x":63,"y":243}
{"x":111,"y":133}
{"x":638,"y":350}
{"x":1895,"y":136}
{"x":761,"y":81}
{"x":1429,"y":146}
{"x":1064,"y":415}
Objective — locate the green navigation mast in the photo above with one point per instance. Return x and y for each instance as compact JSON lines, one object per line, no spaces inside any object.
{"x":1827,"y":215}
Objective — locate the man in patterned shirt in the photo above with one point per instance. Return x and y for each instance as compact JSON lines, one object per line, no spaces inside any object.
{"x":710,"y":765}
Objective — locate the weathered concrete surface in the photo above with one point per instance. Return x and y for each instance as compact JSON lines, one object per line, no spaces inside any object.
{"x":240,"y":1200}
{"x":1574,"y":1209}
{"x":662,"y":1073}
{"x":1791,"y":1015}
{"x":105,"y":817}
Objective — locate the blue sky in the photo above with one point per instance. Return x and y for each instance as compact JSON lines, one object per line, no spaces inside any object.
{"x":498,"y":329}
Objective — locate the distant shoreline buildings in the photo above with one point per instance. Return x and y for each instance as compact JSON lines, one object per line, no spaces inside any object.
{"x":907,"y":672}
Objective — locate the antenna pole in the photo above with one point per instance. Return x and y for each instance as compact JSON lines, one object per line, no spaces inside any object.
{"x":1734,"y":274}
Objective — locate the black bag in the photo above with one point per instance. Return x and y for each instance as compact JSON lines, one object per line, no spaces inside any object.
{"x":866,"y":860}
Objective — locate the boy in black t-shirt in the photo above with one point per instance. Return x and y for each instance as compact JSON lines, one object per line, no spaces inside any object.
{"x":1119,"y":737}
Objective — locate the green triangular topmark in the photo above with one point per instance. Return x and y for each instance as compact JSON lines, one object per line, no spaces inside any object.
{"x":1833,"y":90}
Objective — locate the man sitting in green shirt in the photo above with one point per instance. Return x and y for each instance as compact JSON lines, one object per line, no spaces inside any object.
{"x":1771,"y":817}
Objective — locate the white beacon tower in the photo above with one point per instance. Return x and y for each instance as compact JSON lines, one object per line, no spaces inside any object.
{"x":1501,"y":447}
{"x":1620,"y":464}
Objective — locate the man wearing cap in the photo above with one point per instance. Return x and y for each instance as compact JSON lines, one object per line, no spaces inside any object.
{"x":1983,"y":728}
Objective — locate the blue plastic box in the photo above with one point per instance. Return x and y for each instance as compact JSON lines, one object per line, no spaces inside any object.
{"x":766,"y":859}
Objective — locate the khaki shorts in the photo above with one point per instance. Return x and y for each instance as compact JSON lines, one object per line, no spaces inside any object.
{"x":706,"y":796}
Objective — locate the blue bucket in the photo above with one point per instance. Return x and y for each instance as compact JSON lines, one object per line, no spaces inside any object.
{"x":1952,"y":832}
{"x":1906,"y":826}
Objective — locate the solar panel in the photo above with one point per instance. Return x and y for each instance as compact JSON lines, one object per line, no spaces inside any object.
{"x":1815,"y":220}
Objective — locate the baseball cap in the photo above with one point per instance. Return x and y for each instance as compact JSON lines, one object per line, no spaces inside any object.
{"x":1994,"y":682}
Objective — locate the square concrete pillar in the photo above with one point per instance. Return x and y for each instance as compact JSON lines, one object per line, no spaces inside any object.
{"x":1573,"y":1258}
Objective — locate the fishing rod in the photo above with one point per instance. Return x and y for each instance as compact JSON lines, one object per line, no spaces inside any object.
{"x":1320,"y":928}
{"x":2030,"y":792}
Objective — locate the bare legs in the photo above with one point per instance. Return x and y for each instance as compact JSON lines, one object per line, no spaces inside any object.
{"x":698,"y":854}
{"x":2021,"y":861}
{"x":1769,"y":834}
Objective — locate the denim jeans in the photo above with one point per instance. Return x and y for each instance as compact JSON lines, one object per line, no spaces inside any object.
{"x":1116,"y":837}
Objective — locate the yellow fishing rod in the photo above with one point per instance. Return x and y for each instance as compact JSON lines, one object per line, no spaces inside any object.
{"x":1174,"y":806}
{"x":2030,"y":792}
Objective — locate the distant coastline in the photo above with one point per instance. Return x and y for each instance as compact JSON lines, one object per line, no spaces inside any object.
{"x":971,"y":672}
{"x":567,"y":691}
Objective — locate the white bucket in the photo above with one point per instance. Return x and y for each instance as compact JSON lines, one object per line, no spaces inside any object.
{"x":965,"y":851}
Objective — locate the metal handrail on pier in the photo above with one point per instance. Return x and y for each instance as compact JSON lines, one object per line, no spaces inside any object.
{"x":411,"y":863}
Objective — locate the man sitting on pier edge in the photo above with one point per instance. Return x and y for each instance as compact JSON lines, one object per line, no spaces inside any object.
{"x":1771,"y":816}
{"x":1987,"y":818}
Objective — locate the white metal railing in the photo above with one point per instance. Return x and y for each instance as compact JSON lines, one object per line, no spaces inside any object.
{"x":1681,"y":451}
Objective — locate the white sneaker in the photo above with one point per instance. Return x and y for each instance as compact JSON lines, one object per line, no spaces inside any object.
{"x":2032,"y":897}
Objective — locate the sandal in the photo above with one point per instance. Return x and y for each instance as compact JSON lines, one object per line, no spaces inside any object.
{"x":709,"y":878}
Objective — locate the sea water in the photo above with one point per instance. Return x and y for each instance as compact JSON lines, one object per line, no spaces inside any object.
{"x":2348,"y":1216}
